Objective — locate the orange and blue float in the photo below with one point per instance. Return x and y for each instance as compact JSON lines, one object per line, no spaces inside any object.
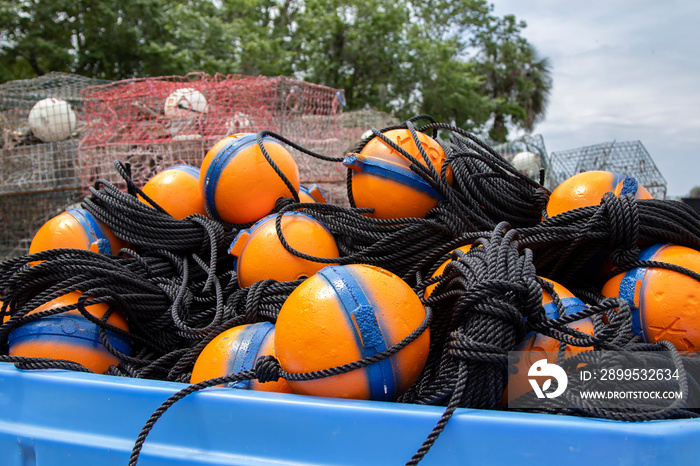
{"x":76,"y":229}
{"x":312,"y":194}
{"x":383,"y":180}
{"x":176,"y":190}
{"x":343,"y":314}
{"x":571,"y":304}
{"x":537,"y":346}
{"x":588,"y":188}
{"x":260,"y":255}
{"x":664,"y":303}
{"x":237,"y":182}
{"x":236,"y":350}
{"x":69,"y":335}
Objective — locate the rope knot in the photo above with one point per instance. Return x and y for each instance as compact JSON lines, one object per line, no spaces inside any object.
{"x":620,"y":257}
{"x":267,"y":369}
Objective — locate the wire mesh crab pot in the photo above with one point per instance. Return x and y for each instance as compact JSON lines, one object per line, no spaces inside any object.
{"x":628,"y":157}
{"x":154,"y":123}
{"x":41,"y":121}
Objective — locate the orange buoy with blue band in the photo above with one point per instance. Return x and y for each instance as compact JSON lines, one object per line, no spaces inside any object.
{"x":76,"y":229}
{"x":260,"y":255}
{"x":235,"y":350}
{"x":176,"y":190}
{"x":311,"y":194}
{"x":537,"y":346}
{"x":383,"y":180}
{"x":664,"y":303}
{"x":70,"y":336}
{"x":239,"y":185}
{"x":587,"y":189}
{"x":343,"y":314}
{"x":571,"y":304}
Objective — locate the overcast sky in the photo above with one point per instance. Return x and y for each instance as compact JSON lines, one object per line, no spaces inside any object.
{"x":623,"y":70}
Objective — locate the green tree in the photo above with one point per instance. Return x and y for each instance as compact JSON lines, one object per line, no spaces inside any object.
{"x":33,"y":39}
{"x":449,"y":58}
{"x":262,"y":35}
{"x":102,"y":39}
{"x":517,"y":80}
{"x":196,"y":36}
{"x":356,"y":45}
{"x":447,"y":85}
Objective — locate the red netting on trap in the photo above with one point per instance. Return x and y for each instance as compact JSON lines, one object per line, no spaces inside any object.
{"x":154,"y":123}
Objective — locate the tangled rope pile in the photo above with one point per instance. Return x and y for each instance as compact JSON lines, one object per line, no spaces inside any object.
{"x":178,"y":290}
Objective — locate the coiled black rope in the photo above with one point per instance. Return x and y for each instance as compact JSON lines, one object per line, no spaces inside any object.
{"x":565,"y":245}
{"x":486,"y":300}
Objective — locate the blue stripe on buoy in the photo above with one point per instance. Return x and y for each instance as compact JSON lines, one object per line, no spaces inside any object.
{"x":361,"y":313}
{"x":391,"y":171}
{"x":649,"y":253}
{"x":92,"y":229}
{"x":629,"y":186}
{"x":249,"y":342}
{"x":628,"y":286}
{"x":216,"y":167}
{"x":194,"y":171}
{"x":571,"y":306}
{"x":68,"y":326}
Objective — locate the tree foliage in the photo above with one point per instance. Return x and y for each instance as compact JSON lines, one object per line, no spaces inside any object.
{"x":452,"y":59}
{"x":517,"y":80}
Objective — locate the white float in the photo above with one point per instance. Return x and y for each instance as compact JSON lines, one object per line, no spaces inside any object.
{"x":52,"y":120}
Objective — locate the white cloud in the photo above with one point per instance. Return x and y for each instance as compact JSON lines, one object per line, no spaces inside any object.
{"x":622,"y":70}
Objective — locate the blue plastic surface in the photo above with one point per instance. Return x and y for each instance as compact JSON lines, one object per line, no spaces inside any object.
{"x":66,"y":418}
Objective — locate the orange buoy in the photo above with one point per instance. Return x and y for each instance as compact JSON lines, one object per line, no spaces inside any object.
{"x":382,"y":178}
{"x":664,"y":303}
{"x":76,"y":229}
{"x":235,"y":350}
{"x":537,"y":346}
{"x":239,"y":185}
{"x":260,"y":254}
{"x":429,"y":289}
{"x":587,"y":189}
{"x":176,"y":190}
{"x":70,"y":336}
{"x":312,"y":193}
{"x":571,"y":304}
{"x":343,"y":314}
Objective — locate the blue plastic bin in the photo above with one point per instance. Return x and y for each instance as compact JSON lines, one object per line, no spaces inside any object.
{"x":67,"y":418}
